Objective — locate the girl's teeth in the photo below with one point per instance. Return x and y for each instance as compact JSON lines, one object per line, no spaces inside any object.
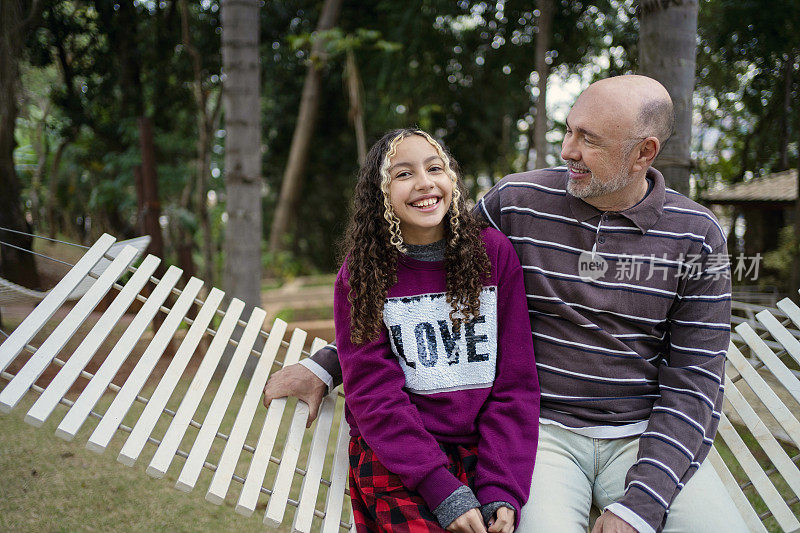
{"x":426,"y":203}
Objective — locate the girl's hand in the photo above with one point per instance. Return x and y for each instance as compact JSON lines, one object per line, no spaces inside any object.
{"x":503,"y":521}
{"x":469,"y":522}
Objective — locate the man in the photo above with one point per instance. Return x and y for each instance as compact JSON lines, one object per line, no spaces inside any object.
{"x":628,"y":287}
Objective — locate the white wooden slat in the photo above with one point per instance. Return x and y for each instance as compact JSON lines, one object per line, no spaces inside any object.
{"x":60,"y":384}
{"x":155,"y":406}
{"x":266,"y":439}
{"x":76,"y":416}
{"x":352,"y":521}
{"x":791,"y":310}
{"x":161,"y":460}
{"x":741,"y":502}
{"x":219,"y":405}
{"x":276,"y":507}
{"x":780,"y":459}
{"x":780,"y":334}
{"x":125,"y":397}
{"x":241,"y":426}
{"x":335,"y":499}
{"x":771,"y":361}
{"x":56,"y":341}
{"x":55,"y":298}
{"x":304,"y":515}
{"x":767,"y":396}
{"x":772,"y":498}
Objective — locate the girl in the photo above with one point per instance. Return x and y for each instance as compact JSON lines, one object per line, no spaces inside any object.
{"x":435,"y":344}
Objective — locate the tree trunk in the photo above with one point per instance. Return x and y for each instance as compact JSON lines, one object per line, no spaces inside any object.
{"x":52,"y":188}
{"x":354,"y":92}
{"x":150,"y":206}
{"x":293,"y":176}
{"x":240,"y":65}
{"x":788,"y":66}
{"x":16,"y":265}
{"x":242,"y":149}
{"x":42,"y":148}
{"x":667,"y":47}
{"x":206,"y":123}
{"x":795,"y":278}
{"x":545,"y":30}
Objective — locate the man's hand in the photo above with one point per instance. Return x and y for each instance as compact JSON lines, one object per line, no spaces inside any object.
{"x":611,"y":523}
{"x":469,"y":522}
{"x":296,"y":380}
{"x":502,"y":521}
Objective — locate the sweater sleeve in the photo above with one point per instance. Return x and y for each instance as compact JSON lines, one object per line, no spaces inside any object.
{"x":488,"y":207}
{"x":684,"y":420}
{"x":327,"y":359}
{"x":383,"y":412}
{"x":509,"y":422}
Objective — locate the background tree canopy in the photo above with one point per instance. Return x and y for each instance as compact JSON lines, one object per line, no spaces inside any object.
{"x":463,"y":70}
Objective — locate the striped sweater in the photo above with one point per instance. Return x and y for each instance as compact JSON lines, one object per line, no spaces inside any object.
{"x":630,"y":315}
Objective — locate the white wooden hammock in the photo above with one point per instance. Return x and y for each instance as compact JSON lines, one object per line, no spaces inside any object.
{"x":762,"y":391}
{"x":13,"y":294}
{"x":309,"y":514}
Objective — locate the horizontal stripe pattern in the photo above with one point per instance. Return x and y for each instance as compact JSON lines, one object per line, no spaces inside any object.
{"x":636,"y":332}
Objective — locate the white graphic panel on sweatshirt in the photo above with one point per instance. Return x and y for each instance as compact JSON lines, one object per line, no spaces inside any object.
{"x":435,"y":358}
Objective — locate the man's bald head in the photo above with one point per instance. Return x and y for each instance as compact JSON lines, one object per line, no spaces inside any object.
{"x":614,"y":132}
{"x":642,"y":100}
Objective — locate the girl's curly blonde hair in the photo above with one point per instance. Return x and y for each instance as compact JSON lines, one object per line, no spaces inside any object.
{"x":373,"y":241}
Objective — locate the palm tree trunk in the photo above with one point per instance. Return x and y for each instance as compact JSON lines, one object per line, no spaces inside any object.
{"x":293,"y":176}
{"x":667,"y":48}
{"x":240,"y":38}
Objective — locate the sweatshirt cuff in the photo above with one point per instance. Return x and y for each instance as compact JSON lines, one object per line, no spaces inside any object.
{"x":320,"y":372}
{"x":458,"y":503}
{"x":328,"y":359}
{"x":488,"y":509}
{"x":492,"y":494}
{"x":437,"y":486}
{"x":636,"y":521}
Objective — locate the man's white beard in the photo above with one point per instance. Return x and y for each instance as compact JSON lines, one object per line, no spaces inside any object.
{"x":595,"y":187}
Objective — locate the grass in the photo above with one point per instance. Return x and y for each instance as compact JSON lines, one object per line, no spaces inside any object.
{"x":290,"y":314}
{"x":51,"y":485}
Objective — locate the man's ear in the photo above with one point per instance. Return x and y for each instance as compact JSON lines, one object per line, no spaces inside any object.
{"x":646,"y":153}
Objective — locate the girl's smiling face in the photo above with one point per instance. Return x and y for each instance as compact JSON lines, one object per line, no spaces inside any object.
{"x":420,"y":190}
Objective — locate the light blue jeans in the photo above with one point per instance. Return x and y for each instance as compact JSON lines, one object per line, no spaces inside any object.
{"x":574,"y":472}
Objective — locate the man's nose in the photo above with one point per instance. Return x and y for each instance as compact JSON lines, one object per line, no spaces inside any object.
{"x":569,"y":149}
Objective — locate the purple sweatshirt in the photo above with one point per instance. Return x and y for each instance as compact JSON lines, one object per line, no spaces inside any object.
{"x":420,"y":383}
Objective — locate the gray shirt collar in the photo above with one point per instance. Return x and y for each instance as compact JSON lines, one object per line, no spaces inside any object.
{"x":426,"y":252}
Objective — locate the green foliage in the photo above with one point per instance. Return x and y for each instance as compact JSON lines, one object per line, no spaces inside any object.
{"x":743,"y":56}
{"x":462,"y":70}
{"x":779,"y":263}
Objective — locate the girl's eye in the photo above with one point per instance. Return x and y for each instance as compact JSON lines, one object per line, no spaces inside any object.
{"x":435,"y":168}
{"x":403,"y":174}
